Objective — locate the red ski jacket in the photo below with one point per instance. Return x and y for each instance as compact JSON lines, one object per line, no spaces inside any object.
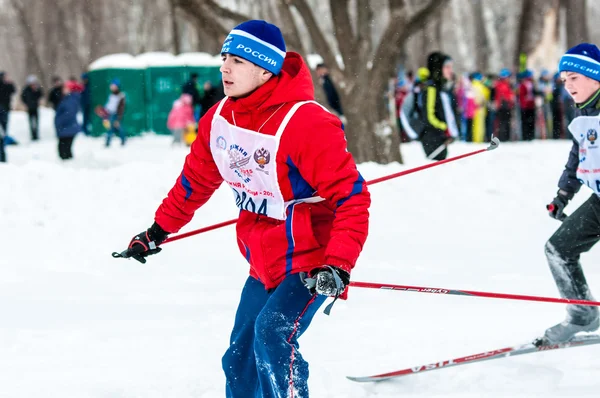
{"x":312,"y":159}
{"x":527,"y":94}
{"x":505,"y":97}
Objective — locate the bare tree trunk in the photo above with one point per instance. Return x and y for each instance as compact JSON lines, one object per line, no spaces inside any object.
{"x":32,"y":57}
{"x":174,"y":28}
{"x":577,"y":24}
{"x":531,"y":24}
{"x":494,"y":62}
{"x":481,"y":39}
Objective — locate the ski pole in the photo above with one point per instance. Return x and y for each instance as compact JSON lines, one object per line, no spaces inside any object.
{"x":437,"y":151}
{"x":493,"y":145}
{"x":436,"y":290}
{"x":551,"y":209}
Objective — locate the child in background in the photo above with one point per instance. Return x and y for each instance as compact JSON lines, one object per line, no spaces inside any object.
{"x":181,"y":115}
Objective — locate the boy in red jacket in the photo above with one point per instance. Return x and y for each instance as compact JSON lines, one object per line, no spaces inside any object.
{"x":303,"y":205}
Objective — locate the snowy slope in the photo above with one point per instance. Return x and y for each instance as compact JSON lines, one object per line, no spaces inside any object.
{"x":76,"y":323}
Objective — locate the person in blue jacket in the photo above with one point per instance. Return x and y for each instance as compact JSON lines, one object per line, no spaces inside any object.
{"x":65,"y":120}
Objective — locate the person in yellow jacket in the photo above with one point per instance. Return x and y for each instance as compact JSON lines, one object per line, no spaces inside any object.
{"x":482,"y":97}
{"x":437,"y":113}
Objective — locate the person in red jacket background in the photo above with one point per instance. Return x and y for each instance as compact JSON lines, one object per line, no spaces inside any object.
{"x":527,"y":103}
{"x":303,"y":205}
{"x":504,"y":102}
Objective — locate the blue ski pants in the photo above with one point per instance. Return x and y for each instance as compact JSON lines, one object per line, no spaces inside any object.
{"x":263,"y":359}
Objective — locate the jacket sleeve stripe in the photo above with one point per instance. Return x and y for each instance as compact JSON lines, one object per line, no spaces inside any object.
{"x":300,"y":188}
{"x":357,"y":188}
{"x":431,"y":118}
{"x":289,"y":234}
{"x":187,"y":186}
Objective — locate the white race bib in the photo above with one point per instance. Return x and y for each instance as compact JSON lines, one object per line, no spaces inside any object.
{"x":246,"y":161}
{"x":585,"y":130}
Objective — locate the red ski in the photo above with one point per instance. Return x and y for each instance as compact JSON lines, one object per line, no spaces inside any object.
{"x":578,"y":341}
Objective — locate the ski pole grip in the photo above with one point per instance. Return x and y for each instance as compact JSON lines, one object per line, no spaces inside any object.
{"x":550,"y":207}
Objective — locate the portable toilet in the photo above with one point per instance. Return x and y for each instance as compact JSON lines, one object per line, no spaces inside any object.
{"x":165,"y":78}
{"x":163,"y":81}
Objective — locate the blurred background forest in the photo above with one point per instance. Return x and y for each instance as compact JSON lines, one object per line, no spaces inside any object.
{"x":364,"y":42}
{"x":48,"y":36}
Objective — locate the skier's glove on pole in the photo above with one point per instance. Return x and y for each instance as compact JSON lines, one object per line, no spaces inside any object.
{"x":328,"y":281}
{"x":557,"y":207}
{"x":146,"y":243}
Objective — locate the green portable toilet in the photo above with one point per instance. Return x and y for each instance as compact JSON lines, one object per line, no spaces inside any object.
{"x":162,"y":75}
{"x":205,"y":65}
{"x":165,"y":76}
{"x":132,"y":76}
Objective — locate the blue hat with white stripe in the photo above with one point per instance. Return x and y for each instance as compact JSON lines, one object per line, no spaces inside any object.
{"x":258,"y":42}
{"x":584,"y":58}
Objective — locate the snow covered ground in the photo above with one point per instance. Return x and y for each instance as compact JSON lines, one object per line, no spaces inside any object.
{"x":75,"y":323}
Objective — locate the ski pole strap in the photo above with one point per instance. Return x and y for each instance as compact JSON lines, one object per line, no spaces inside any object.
{"x":311,"y":285}
{"x":308,"y":282}
{"x":339,"y":286}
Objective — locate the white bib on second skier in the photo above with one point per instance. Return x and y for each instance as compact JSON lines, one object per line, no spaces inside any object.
{"x":246,"y":161}
{"x":585,"y":131}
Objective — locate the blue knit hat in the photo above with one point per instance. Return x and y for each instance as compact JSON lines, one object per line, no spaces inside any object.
{"x":584,"y":58}
{"x":116,"y":82}
{"x":504,"y":73}
{"x":259,"y":42}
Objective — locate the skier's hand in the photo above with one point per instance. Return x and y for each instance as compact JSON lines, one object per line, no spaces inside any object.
{"x":146,"y":243}
{"x":106,"y":124}
{"x":328,"y":281}
{"x":116,"y":124}
{"x":557,"y":207}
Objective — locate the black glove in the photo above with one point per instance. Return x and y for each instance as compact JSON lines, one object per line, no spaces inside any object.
{"x":557,"y":207}
{"x":327,"y":281}
{"x":146,"y":243}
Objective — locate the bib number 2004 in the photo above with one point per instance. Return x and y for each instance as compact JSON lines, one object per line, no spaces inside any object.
{"x":245,"y":202}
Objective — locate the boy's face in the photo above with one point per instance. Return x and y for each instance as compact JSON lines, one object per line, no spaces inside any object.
{"x":580,"y":87}
{"x":241,"y":77}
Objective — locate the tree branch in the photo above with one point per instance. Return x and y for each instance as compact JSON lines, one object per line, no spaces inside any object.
{"x":289,"y":28}
{"x":364,"y":37}
{"x":399,"y":30}
{"x":316,"y":34}
{"x":28,"y":37}
{"x":342,"y":31}
{"x":225,"y":12}
{"x":195,"y":11}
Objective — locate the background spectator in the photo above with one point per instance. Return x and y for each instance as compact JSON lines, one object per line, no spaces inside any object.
{"x":7,"y":89}
{"x":86,"y":103}
{"x":180,"y":117}
{"x":191,"y":87}
{"x":31,"y":96}
{"x":557,"y":106}
{"x":527,"y":103}
{"x":504,"y":104}
{"x":211,"y":96}
{"x":65,"y":119}
{"x":482,"y":97}
{"x":56,"y":93}
{"x":115,"y":108}
{"x":333,"y":99}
